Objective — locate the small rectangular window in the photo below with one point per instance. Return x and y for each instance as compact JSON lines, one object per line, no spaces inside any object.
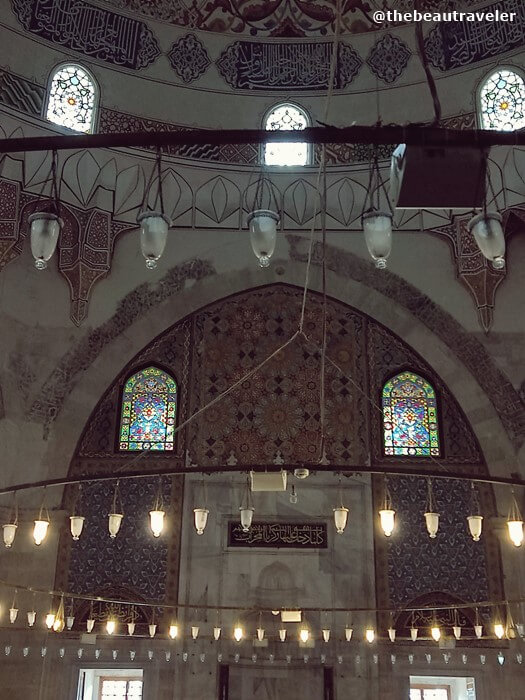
{"x":110,"y":684}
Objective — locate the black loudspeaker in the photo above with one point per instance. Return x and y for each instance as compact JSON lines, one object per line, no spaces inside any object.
{"x":437,"y":178}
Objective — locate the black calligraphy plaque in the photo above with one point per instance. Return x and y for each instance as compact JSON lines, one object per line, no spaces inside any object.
{"x":289,"y":535}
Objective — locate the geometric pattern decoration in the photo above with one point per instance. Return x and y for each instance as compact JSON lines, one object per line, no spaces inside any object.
{"x":410,"y":417}
{"x":71,"y":99}
{"x":188,"y":58}
{"x":502,"y":101}
{"x":149,"y":404}
{"x":389,"y":58}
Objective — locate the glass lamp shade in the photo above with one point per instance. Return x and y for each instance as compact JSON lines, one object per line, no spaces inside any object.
{"x":457,"y":631}
{"x":499,"y":630}
{"x":50,"y":620}
{"x":152,"y":630}
{"x":392,"y":634}
{"x":59,"y":624}
{"x":111,"y":626}
{"x":201,"y":518}
{"x":260,"y":634}
{"x":413,"y":633}
{"x":387,"y":519}
{"x":340,"y":519}
{"x":488,"y":233}
{"x":478,"y":629}
{"x":194,"y":632}
{"x":131,"y":628}
{"x":216,"y":633}
{"x":238,"y":634}
{"x":246,"y":518}
{"x":156,"y":521}
{"x":9,"y":534}
{"x":515,"y":532}
{"x":263,"y":234}
{"x":304,"y":635}
{"x":326,"y":635}
{"x":348,"y":633}
{"x":154,"y":229}
{"x":377,"y":227}
{"x":31,"y":618}
{"x":282,"y":635}
{"x":70,"y":621}
{"x":40,"y":531}
{"x":435,"y":633}
{"x":13,"y":614}
{"x":370,"y":635}
{"x":76,"y":523}
{"x":90,"y":624}
{"x":475,"y":524}
{"x":173,"y":631}
{"x":45,"y":229}
{"x":114,"y":523}
{"x":432,"y":522}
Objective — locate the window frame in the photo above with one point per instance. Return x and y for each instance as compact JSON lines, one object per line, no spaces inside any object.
{"x":309,"y":146}
{"x":96,"y":98}
{"x":481,"y":84}
{"x":425,"y":686}
{"x":128,"y":680}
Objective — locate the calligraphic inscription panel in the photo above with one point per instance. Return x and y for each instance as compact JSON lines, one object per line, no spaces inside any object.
{"x":290,"y":535}
{"x":91,"y":30}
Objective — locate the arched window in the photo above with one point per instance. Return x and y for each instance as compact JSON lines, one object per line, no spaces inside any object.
{"x":286,"y":117}
{"x":149,"y":403}
{"x":502,"y":101}
{"x":410,"y":425}
{"x":72,"y":98}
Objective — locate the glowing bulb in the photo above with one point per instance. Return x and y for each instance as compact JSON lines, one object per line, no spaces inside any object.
{"x":90,"y":624}
{"x":457,"y":631}
{"x":238,"y":634}
{"x":40,"y":531}
{"x":216,"y":633}
{"x":174,"y":631}
{"x":50,"y":620}
{"x":131,"y":628}
{"x":370,"y":635}
{"x":246,"y":518}
{"x":304,"y":635}
{"x":392,"y":634}
{"x":326,"y":635}
{"x":340,"y":519}
{"x":194,"y":632}
{"x":152,"y":629}
{"x":282,"y":635}
{"x":260,"y":634}
{"x":499,"y":630}
{"x":156,"y":518}
{"x":348,"y":633}
{"x":58,"y":624}
{"x":387,"y":519}
{"x":9,"y":534}
{"x":31,"y":618}
{"x":515,"y":532}
{"x":111,"y":626}
{"x":436,"y":633}
{"x":413,"y":633}
{"x":13,"y":614}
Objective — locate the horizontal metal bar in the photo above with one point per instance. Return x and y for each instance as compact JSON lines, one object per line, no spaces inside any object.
{"x":243,"y":468}
{"x":411,"y":135}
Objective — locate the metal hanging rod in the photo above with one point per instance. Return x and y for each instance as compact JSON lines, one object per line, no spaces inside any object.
{"x":413,"y":135}
{"x":243,"y":468}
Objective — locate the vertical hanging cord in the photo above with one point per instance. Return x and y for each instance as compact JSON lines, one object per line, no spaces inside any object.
{"x":322,"y":393}
{"x":160,"y":193}
{"x":54,"y":183}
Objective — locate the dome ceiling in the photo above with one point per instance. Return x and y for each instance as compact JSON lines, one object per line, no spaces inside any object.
{"x":275,"y":18}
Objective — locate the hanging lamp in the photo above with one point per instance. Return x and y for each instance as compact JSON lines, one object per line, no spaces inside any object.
{"x":13,"y":610}
{"x":431,"y":516}
{"x":246,"y":509}
{"x":42,"y":522}
{"x":376,"y":218}
{"x":435,"y":631}
{"x":76,"y":522}
{"x":157,"y":515}
{"x":387,"y":513}
{"x":116,"y":515}
{"x":515,"y":522}
{"x":154,"y":224}
{"x":486,"y":227}
{"x":340,"y":513}
{"x":475,"y":519}
{"x":263,"y":219}
{"x":46,"y":224}
{"x":200,"y":515}
{"x":9,"y":529}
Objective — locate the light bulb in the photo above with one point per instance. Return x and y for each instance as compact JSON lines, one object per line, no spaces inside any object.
{"x":392,"y":634}
{"x":377,"y":227}
{"x":216,"y":633}
{"x":131,"y":628}
{"x":260,"y":634}
{"x":13,"y":614}
{"x":326,"y":635}
{"x":370,"y":635}
{"x":156,"y":519}
{"x":70,"y":621}
{"x":304,"y":635}
{"x":9,"y":534}
{"x":111,"y":626}
{"x":76,"y":524}
{"x":238,"y":634}
{"x":114,"y":523}
{"x":90,"y":624}
{"x":201,"y":518}
{"x":515,"y":532}
{"x":348,"y":633}
{"x":387,"y":519}
{"x":432,"y":523}
{"x":58,"y":624}
{"x":499,"y":630}
{"x":31,"y":618}
{"x":246,"y":518}
{"x":194,"y":632}
{"x":282,"y":634}
{"x":413,"y":633}
{"x":475,"y":523}
{"x":436,"y":633}
{"x":152,"y":629}
{"x":478,"y":629}
{"x":154,"y":228}
{"x":50,"y":620}
{"x":457,"y":631}
{"x":174,"y":631}
{"x":40,"y":531}
{"x":263,"y":234}
{"x":340,"y":519}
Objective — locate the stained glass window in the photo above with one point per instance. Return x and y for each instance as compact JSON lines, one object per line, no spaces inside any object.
{"x":410,"y":425}
{"x":149,"y":403}
{"x":502,"y":101}
{"x":72,"y":98}
{"x":286,"y":117}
